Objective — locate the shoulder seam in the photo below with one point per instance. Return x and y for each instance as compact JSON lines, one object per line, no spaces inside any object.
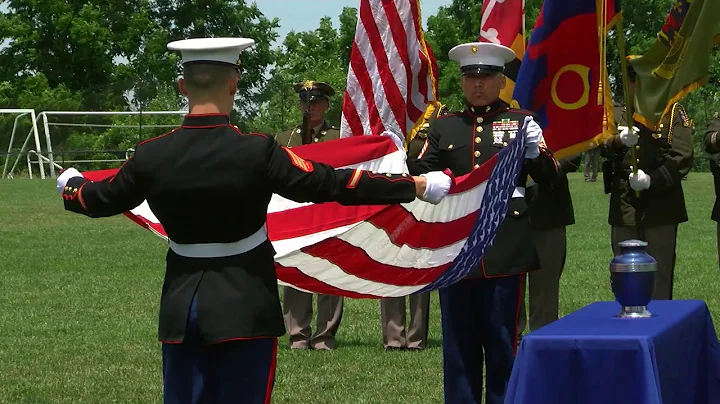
{"x":527,"y":111}
{"x":236,"y":129}
{"x":158,"y":137}
{"x":448,"y":115}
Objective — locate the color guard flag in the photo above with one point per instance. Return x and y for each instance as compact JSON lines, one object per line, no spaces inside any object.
{"x":503,"y":23}
{"x":380,"y":251}
{"x":563,"y":76}
{"x":678,"y":63}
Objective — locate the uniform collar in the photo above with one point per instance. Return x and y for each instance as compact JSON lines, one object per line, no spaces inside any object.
{"x":316,"y":130}
{"x":202,"y":120}
{"x":494,"y":108}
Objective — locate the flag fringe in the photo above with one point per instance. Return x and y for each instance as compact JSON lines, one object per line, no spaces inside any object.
{"x":680,"y":95}
{"x":434,"y":104}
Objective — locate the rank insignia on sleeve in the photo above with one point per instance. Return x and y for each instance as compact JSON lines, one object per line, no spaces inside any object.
{"x":298,"y":161}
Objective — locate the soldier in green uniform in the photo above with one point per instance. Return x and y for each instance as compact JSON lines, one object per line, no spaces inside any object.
{"x":649,"y":205}
{"x":392,"y":310}
{"x":297,"y":305}
{"x":551,"y":211}
{"x":320,"y":129}
{"x":712,"y":146}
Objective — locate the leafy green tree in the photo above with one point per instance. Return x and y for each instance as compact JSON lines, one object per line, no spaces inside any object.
{"x":322,"y":54}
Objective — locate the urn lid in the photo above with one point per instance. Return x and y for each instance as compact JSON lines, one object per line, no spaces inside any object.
{"x":633,"y":243}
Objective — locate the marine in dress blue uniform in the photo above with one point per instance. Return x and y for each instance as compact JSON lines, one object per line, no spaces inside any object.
{"x":479,"y":313}
{"x":210,"y":186}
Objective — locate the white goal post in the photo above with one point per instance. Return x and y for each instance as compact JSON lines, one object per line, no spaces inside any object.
{"x":47,"y":122}
{"x":32,"y":133}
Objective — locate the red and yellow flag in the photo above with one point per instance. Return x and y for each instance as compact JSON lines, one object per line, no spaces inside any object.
{"x":563,"y":78}
{"x":503,"y":23}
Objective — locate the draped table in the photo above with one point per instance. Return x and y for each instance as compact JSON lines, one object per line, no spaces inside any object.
{"x":592,"y":357}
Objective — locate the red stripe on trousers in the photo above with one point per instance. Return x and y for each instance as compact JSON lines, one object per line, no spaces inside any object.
{"x":271,"y":375}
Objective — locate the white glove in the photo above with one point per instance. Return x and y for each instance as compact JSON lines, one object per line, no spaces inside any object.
{"x":65,"y":176}
{"x":399,"y":142}
{"x":639,"y":181}
{"x":533,"y":138}
{"x":628,"y":138}
{"x":437,"y":186}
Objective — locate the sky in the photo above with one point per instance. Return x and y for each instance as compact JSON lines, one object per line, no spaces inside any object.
{"x":305,"y":15}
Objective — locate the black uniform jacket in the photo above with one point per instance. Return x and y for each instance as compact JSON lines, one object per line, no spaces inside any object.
{"x":712,"y":146}
{"x":666,"y":156}
{"x":550,"y":203}
{"x":208,"y":183}
{"x":462,"y":142}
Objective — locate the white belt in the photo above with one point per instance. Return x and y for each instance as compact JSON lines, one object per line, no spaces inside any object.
{"x":214,"y":250}
{"x":519,"y":192}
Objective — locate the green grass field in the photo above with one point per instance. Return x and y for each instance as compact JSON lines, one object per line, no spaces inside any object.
{"x":79,"y":300}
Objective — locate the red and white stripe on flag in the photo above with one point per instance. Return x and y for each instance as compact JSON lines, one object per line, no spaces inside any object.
{"x":362,"y":251}
{"x":392,"y":78}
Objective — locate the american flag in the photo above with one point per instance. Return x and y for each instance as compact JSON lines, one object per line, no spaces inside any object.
{"x":392,"y":78}
{"x":380,"y":251}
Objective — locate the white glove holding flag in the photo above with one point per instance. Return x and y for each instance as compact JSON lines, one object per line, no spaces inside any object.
{"x":437,"y":186}
{"x":629,"y":139}
{"x":65,"y":176}
{"x":397,"y":139}
{"x":533,"y":138}
{"x":639,"y":181}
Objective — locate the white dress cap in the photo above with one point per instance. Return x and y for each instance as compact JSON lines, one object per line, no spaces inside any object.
{"x":481,"y":57}
{"x":212,"y":50}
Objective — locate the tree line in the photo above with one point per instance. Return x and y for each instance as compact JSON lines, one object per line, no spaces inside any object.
{"x":102,"y":55}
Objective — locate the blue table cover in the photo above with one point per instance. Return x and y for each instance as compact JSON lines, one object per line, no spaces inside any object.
{"x":592,"y":357}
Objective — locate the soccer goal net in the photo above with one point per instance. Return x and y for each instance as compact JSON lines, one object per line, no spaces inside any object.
{"x":15,"y":123}
{"x":93,"y":140}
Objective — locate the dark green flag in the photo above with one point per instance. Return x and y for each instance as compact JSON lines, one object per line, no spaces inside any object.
{"x":679,"y":60}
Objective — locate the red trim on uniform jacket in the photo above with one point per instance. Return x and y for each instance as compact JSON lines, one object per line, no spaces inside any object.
{"x":209,"y":114}
{"x":390,"y":179}
{"x":249,"y":134}
{"x":203,"y":126}
{"x":157,"y":137}
{"x":121,"y":167}
{"x":482,"y":266}
{"x":80,"y":197}
{"x":448,"y":115}
{"x":486,"y":113}
{"x":525,"y":111}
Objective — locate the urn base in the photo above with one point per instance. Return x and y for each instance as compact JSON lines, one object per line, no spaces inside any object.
{"x":634,"y":312}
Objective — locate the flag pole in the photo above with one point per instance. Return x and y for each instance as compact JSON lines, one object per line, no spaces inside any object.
{"x":629,"y":106}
